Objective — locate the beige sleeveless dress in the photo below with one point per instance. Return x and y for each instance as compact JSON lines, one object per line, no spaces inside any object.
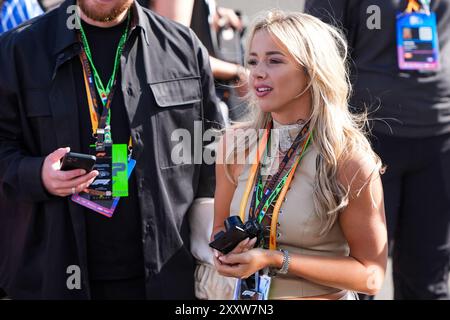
{"x":298,"y":230}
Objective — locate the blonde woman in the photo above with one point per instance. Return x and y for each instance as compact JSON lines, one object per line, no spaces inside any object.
{"x":311,"y":180}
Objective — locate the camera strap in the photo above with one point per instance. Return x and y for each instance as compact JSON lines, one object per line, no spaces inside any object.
{"x":277,"y":186}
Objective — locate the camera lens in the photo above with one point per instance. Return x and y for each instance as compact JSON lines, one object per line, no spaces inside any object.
{"x":253,"y":228}
{"x":232,"y":221}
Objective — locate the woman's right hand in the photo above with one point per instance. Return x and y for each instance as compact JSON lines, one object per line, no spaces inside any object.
{"x":243,"y":246}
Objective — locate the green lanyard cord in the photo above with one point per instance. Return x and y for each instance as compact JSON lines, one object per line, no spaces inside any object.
{"x":98,"y":82}
{"x":279,"y":186}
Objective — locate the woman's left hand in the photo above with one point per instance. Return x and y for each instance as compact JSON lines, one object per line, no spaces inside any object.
{"x":243,"y":265}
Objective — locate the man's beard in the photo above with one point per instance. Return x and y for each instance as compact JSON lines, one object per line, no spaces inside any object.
{"x":97,"y":13}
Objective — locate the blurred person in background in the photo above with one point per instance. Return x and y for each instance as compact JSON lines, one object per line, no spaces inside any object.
{"x":48,"y":5}
{"x":220,"y":30}
{"x":400,"y":54}
{"x":15,"y":12}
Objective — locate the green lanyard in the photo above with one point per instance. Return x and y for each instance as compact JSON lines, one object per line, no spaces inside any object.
{"x":260,"y":187}
{"x":104,"y":93}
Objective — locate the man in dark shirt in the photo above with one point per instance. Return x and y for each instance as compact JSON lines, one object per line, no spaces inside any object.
{"x":121,"y":258}
{"x":52,"y":247}
{"x":411,"y":133}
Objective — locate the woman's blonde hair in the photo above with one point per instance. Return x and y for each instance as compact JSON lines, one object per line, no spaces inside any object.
{"x":321,"y":50}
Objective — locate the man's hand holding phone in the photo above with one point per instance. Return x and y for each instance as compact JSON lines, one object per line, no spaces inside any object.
{"x":64,"y":183}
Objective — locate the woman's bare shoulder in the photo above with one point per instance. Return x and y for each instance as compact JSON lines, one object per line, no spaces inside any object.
{"x":358,"y":169}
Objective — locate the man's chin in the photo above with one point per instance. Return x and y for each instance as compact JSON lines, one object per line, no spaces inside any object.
{"x":101,"y":10}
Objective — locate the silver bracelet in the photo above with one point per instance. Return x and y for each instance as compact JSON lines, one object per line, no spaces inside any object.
{"x":286,"y":260}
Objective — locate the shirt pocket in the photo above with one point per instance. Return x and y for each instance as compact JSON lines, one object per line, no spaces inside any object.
{"x":178,"y":120}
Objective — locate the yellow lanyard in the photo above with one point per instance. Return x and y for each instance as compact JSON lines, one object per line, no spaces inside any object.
{"x":93,"y":113}
{"x":413,"y":5}
{"x":251,"y":183}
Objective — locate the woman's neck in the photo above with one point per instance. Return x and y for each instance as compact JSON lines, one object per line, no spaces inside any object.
{"x":294,"y":114}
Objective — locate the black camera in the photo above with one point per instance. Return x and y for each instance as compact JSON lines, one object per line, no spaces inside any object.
{"x":236,"y":231}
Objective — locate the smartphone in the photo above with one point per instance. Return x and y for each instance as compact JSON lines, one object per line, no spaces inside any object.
{"x":227,"y":241}
{"x":74,"y":160}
